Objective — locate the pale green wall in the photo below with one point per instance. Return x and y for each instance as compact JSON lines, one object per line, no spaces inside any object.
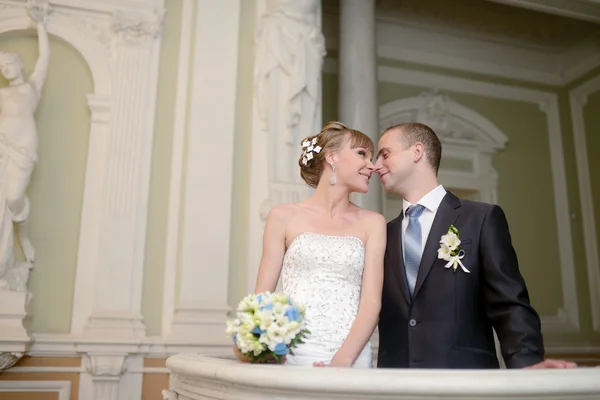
{"x":525,"y":188}
{"x":56,"y":188}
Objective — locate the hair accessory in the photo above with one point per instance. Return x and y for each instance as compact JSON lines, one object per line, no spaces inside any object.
{"x":309,"y":147}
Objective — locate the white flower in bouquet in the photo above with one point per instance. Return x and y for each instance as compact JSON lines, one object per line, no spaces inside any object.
{"x":268,"y":325}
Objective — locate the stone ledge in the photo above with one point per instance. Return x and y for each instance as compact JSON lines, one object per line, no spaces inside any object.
{"x":199,"y":376}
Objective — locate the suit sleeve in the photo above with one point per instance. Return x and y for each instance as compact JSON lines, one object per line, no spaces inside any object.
{"x":516,"y":323}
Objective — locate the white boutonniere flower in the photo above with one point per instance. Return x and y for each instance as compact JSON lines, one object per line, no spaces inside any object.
{"x":449,"y":250}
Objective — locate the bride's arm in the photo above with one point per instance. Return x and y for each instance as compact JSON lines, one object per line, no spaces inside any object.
{"x":272,"y":256}
{"x":370,"y":299}
{"x":273,"y":249}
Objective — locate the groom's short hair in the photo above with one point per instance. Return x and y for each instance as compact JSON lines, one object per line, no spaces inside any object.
{"x":413,"y":132}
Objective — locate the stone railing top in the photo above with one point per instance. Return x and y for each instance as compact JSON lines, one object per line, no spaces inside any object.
{"x":349,"y":383}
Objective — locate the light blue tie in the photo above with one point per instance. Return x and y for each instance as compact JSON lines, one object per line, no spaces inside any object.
{"x":413,"y":247}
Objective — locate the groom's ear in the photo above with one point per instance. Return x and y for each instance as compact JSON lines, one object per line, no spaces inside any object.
{"x":418,"y":151}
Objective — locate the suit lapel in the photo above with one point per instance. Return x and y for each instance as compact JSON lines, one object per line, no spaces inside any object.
{"x":446,"y":215}
{"x":396,"y":256}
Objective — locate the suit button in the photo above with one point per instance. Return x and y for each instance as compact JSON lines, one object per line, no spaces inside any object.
{"x":412,"y":322}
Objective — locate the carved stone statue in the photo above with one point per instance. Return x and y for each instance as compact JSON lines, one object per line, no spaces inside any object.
{"x":18,"y":151}
{"x":289,"y":60}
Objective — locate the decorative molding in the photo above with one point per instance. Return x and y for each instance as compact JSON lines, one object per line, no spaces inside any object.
{"x":77,"y":370}
{"x":70,"y":370}
{"x":7,"y":7}
{"x":114,"y":214}
{"x":14,"y":337}
{"x":107,"y":376}
{"x":102,"y":365}
{"x":177,"y":159}
{"x":581,"y":60}
{"x":64,"y":25}
{"x":8,"y":359}
{"x":463,"y":51}
{"x":100,"y":107}
{"x":578,"y":99}
{"x":134,"y":29}
{"x":475,"y":55}
{"x":62,"y":388}
{"x":66,"y":345}
{"x":98,"y":28}
{"x":456,"y":124}
{"x":567,"y":318}
{"x":585,"y":10}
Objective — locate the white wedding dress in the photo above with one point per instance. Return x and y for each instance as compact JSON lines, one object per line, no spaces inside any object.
{"x":324,"y":273}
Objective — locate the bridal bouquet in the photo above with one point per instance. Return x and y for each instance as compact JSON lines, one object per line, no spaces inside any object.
{"x":268,"y":326}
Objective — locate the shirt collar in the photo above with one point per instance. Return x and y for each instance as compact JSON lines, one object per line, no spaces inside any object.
{"x":431,"y":201}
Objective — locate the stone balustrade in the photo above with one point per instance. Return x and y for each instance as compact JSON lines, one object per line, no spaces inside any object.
{"x":197,"y":376}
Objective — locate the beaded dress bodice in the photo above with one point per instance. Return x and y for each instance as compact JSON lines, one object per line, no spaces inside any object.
{"x":325,"y":274}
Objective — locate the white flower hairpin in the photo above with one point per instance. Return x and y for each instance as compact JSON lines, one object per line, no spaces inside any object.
{"x":309,"y":147}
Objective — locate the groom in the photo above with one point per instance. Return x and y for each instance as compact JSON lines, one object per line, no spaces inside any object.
{"x":437,"y":317}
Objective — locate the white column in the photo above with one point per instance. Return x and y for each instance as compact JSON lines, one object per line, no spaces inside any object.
{"x":108,"y":292}
{"x":202,"y":305}
{"x":357,"y":99}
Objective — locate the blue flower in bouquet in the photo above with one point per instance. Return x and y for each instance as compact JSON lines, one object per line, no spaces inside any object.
{"x":258,"y":331}
{"x":281,"y":349}
{"x":294,"y":314}
{"x":268,"y":325}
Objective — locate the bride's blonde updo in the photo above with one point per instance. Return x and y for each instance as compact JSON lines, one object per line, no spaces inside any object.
{"x":332,"y":138}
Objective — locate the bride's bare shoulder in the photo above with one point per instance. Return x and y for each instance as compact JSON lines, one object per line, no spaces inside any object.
{"x":370,"y":218}
{"x":284,"y":211}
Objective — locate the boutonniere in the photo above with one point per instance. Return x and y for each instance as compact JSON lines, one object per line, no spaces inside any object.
{"x":449,"y":250}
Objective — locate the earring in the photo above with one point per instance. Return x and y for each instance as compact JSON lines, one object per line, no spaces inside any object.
{"x":332,"y":180}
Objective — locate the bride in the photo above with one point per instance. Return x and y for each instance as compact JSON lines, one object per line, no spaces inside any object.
{"x":329,"y":252}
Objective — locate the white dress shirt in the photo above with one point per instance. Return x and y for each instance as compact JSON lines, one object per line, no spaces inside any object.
{"x":431,"y":201}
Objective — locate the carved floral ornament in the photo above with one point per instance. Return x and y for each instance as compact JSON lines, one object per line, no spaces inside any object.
{"x":451,"y":121}
{"x":9,"y":359}
{"x":35,"y":7}
{"x":134,"y":28}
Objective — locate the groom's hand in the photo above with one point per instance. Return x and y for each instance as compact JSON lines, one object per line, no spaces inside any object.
{"x":553,"y":364}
